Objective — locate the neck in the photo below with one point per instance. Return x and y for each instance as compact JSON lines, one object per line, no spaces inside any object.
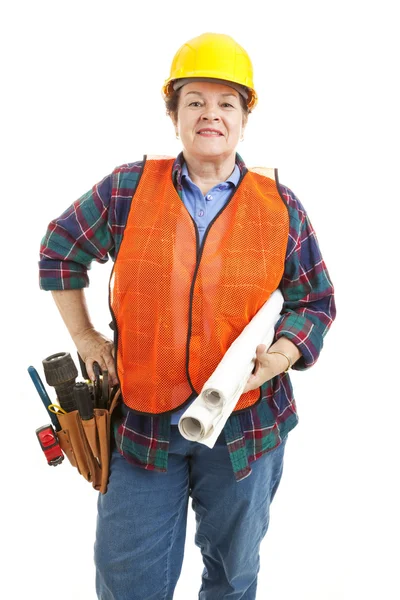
{"x":206,"y":174}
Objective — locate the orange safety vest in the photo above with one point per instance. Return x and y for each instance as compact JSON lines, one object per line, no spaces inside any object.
{"x":178,"y":307}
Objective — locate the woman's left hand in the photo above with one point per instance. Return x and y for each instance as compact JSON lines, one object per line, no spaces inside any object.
{"x":267,"y":366}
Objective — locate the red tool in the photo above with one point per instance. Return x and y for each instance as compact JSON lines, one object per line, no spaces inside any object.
{"x":49,"y":443}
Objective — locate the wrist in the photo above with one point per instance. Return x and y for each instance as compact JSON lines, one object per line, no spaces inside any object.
{"x":288,"y":348}
{"x":285,"y":362}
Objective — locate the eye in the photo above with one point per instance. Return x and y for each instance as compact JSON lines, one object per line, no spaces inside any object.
{"x":227,"y":105}
{"x":195,"y":103}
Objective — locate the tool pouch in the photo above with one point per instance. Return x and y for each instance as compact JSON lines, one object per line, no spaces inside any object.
{"x":87,"y":443}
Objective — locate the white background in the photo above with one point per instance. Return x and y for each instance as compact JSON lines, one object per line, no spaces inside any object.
{"x":81,"y":95}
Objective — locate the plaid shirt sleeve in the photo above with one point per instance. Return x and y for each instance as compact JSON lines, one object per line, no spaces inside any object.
{"x":309,"y":306}
{"x":90,"y":229}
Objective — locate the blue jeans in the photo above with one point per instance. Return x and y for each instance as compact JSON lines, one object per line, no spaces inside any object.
{"x":141,"y":524}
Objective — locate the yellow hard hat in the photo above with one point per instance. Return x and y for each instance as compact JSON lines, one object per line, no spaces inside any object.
{"x":213,"y":56}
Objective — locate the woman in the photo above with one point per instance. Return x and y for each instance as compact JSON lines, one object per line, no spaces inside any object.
{"x":199,"y":244}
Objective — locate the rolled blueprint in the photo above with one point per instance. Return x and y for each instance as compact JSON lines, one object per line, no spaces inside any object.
{"x":205,"y":418}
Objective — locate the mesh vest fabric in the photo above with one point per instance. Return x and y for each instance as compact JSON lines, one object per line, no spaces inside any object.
{"x":178,"y":307}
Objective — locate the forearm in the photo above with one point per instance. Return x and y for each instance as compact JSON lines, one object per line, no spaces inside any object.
{"x":74,"y":311}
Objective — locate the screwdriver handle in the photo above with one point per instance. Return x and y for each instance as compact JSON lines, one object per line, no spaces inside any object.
{"x":41,"y":390}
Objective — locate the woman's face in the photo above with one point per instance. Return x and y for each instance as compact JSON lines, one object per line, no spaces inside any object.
{"x":209,"y":121}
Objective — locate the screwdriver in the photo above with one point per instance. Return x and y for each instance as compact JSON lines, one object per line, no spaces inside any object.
{"x":41,"y":390}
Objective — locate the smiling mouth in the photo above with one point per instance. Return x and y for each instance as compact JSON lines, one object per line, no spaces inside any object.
{"x":210,"y":133}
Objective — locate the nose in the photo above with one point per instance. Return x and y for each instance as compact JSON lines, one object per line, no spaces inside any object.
{"x":210,"y":114}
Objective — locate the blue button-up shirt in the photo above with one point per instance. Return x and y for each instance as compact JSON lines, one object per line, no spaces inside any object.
{"x":203,"y":209}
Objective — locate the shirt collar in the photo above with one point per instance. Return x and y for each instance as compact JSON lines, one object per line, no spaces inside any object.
{"x":179,"y":165}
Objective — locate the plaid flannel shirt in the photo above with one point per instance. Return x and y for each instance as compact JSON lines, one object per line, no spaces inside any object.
{"x":92,"y":229}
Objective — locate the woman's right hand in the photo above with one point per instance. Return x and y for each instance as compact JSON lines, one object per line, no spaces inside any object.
{"x":93,"y":346}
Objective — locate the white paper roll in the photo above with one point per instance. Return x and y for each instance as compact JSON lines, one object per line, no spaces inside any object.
{"x":205,"y":418}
